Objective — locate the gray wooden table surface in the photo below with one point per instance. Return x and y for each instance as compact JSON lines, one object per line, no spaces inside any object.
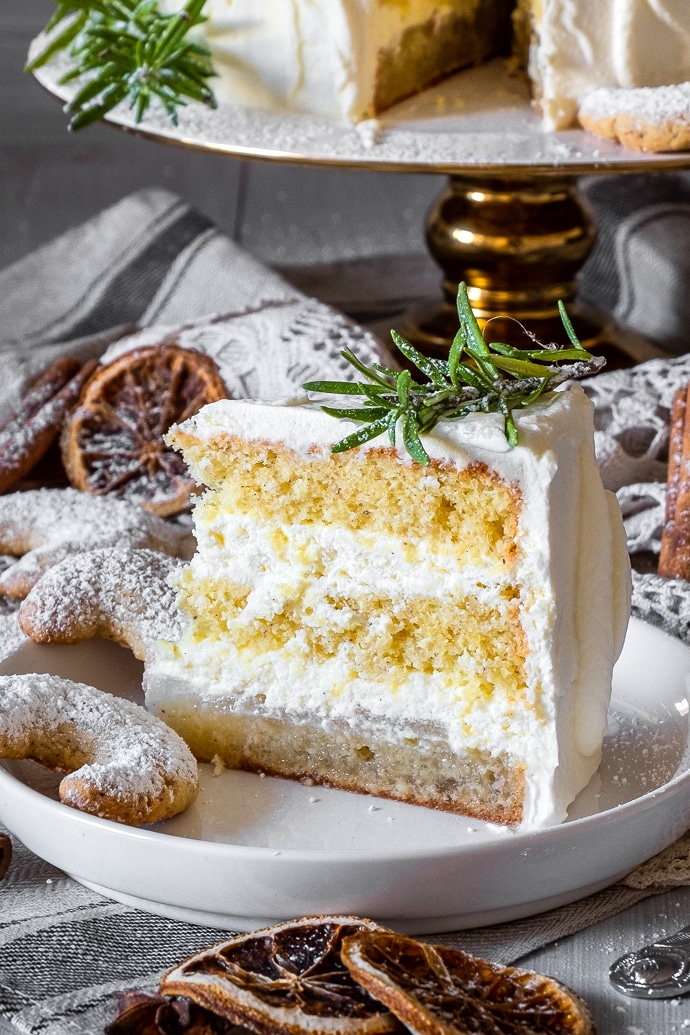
{"x":351,"y":238}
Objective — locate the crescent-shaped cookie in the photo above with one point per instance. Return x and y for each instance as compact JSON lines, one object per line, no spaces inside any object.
{"x":122,"y":763}
{"x":645,"y":118}
{"x":118,"y":593}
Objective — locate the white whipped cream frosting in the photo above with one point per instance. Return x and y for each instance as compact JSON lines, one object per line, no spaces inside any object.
{"x":317,"y":56}
{"x":581,"y":45}
{"x":574,"y":571}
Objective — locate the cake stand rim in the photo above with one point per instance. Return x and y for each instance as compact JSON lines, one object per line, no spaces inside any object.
{"x":605,"y":157}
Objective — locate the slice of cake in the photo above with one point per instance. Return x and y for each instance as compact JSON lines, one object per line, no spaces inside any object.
{"x":441,"y":634}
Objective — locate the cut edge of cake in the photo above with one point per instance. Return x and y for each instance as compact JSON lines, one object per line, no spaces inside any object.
{"x":352,"y":61}
{"x":346,"y":60}
{"x":424,"y":53}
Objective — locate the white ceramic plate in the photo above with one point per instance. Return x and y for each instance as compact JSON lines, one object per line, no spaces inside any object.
{"x":252,"y":851}
{"x":480,"y":118}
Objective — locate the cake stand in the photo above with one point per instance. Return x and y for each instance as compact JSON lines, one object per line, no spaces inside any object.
{"x":510,"y":222}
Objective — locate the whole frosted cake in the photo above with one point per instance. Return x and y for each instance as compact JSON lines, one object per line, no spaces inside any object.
{"x":352,"y":59}
{"x":440,"y":634}
{"x":347,"y":59}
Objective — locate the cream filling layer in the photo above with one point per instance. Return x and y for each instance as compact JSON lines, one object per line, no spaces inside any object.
{"x":330,"y":690}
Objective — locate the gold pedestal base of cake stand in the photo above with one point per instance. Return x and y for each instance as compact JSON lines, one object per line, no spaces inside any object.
{"x":518,"y":243}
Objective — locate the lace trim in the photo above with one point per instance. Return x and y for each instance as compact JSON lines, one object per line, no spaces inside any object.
{"x":631,"y":418}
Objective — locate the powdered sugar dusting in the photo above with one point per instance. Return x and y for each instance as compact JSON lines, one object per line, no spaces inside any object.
{"x":655,"y":104}
{"x":479,"y":117}
{"x":117,"y":592}
{"x":11,"y":636}
{"x":18,"y":436}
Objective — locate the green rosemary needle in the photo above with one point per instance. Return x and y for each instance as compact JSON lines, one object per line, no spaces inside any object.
{"x":128,"y":50}
{"x":476,"y":377}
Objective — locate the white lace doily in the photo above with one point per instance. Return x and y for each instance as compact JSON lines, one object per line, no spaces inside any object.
{"x":632,"y":416}
{"x":270,"y":351}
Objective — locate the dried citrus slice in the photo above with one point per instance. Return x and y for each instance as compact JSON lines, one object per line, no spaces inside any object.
{"x":283,"y":980}
{"x":435,"y":990}
{"x":141,"y":1013}
{"x":113,"y":443}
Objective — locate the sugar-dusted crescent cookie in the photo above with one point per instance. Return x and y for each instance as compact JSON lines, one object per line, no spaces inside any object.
{"x":123,"y":763}
{"x":119,"y":593}
{"x":644,"y":118}
{"x":43,"y":526}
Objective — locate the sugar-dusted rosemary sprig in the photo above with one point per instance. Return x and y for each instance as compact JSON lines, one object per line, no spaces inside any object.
{"x":476,"y":377}
{"x":128,"y":50}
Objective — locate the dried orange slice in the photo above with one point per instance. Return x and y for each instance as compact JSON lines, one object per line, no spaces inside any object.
{"x":283,"y":980}
{"x":141,"y":1013}
{"x":435,"y":990}
{"x":113,"y":442}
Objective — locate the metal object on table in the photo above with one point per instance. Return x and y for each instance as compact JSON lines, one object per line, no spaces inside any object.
{"x":657,"y":971}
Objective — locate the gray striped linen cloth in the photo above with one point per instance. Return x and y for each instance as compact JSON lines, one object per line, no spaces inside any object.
{"x":150,"y":264}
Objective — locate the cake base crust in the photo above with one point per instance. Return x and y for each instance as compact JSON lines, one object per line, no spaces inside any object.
{"x":423,"y":771}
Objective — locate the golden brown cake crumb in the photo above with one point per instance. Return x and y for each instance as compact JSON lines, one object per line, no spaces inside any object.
{"x":674,"y":558}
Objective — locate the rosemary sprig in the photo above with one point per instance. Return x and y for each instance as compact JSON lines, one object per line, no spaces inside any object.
{"x":476,"y":377}
{"x":128,"y":50}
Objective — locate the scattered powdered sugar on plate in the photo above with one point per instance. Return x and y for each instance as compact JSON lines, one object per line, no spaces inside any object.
{"x":480,"y":117}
